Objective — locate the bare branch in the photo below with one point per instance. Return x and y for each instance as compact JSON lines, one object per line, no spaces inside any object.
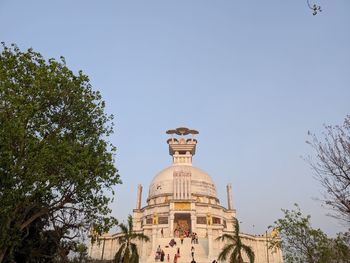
{"x":332,"y":167}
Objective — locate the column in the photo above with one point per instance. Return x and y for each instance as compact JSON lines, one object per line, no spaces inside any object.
{"x":181,"y":186}
{"x":189,"y":186}
{"x":210,"y":241}
{"x":229,"y":196}
{"x":139,"y":194}
{"x":184,"y":186}
{"x":193,"y":222}
{"x":171,"y":219}
{"x":154,"y":237}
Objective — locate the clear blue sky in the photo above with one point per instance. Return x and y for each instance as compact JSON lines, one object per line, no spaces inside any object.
{"x":252,"y":76}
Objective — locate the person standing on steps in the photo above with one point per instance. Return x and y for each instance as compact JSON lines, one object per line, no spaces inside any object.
{"x":175,"y":258}
{"x":178,"y":252}
{"x":192,"y":251}
{"x":193,"y":261}
{"x":182,"y":239}
{"x":162,"y":255}
{"x":161,"y":232}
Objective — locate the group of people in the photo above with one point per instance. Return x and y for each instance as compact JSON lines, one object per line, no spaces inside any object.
{"x":185,"y":233}
{"x":160,"y":254}
{"x":181,"y":232}
{"x":177,"y":255}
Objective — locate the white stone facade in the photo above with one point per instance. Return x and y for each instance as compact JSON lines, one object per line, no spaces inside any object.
{"x":181,"y":199}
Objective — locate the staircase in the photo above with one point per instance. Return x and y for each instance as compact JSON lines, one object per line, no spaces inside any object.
{"x":200,"y":250}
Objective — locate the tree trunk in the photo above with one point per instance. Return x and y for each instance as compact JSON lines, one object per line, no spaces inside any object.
{"x":23,"y":226}
{"x":32,"y":218}
{"x":2,"y":254}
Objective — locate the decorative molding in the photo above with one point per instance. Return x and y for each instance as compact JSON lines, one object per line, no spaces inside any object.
{"x":183,"y":206}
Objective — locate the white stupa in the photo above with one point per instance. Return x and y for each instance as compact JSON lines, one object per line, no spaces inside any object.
{"x":182,"y":200}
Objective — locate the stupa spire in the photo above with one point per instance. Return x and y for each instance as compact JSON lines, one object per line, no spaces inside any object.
{"x":182,"y":148}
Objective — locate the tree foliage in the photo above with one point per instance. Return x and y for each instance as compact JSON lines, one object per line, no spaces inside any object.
{"x":332,"y":167}
{"x":302,"y":243}
{"x":81,"y":251}
{"x":127,"y":252}
{"x":56,"y":163}
{"x":235,"y":249}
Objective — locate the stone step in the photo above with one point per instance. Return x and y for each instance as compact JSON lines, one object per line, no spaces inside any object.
{"x":200,"y":252}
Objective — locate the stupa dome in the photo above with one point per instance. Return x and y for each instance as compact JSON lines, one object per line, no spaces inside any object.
{"x":163,"y":183}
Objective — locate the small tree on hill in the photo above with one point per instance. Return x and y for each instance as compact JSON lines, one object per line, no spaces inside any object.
{"x":302,"y":243}
{"x":234,"y":249}
{"x":127,"y":252}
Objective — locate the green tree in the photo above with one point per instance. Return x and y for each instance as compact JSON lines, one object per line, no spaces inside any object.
{"x":303,"y":244}
{"x":81,"y":252}
{"x":127,"y":252}
{"x":56,"y":164}
{"x":235,"y":248}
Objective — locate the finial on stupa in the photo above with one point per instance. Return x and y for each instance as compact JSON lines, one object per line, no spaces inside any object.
{"x":180,"y":148}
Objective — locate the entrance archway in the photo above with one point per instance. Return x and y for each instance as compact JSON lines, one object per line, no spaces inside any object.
{"x":182,"y":224}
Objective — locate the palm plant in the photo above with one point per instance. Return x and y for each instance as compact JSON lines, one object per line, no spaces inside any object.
{"x":127,"y":252}
{"x":234,"y":248}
